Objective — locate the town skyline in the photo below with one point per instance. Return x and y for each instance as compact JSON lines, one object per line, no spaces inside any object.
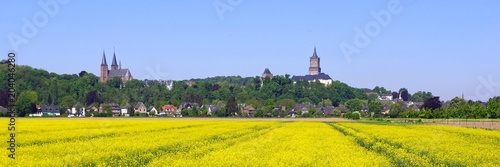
{"x":448,"y":50}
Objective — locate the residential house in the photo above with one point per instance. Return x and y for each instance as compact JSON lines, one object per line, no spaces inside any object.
{"x":327,"y":110}
{"x":386,"y":108}
{"x":48,"y":110}
{"x":301,"y":106}
{"x":250,"y":110}
{"x":364,"y":109}
{"x":190,"y":83}
{"x":124,"y":110}
{"x":417,"y":105}
{"x":385,"y":97}
{"x":212,"y":109}
{"x":152,"y":108}
{"x":115,"y":108}
{"x":141,"y":108}
{"x":92,"y":108}
{"x":189,"y":105}
{"x":169,"y":110}
{"x":78,"y":110}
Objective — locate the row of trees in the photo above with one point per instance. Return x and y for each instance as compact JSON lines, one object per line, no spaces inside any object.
{"x":432,"y":108}
{"x":456,"y":108}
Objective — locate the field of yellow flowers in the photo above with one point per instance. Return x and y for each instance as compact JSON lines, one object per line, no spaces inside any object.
{"x":116,"y":142}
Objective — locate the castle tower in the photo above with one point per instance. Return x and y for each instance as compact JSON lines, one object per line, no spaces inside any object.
{"x":267,"y":73}
{"x":114,"y":65}
{"x":314,"y":68}
{"x":104,"y":68}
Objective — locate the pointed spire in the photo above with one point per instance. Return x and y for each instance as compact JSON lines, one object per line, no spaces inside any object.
{"x":314,"y":54}
{"x":114,"y":60}
{"x":120,"y":65}
{"x":104,"y":63}
{"x":266,"y":71}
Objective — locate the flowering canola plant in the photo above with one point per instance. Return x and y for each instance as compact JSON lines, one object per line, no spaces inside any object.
{"x":155,"y":142}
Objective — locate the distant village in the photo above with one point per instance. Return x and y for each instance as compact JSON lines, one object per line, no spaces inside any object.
{"x":315,"y":74}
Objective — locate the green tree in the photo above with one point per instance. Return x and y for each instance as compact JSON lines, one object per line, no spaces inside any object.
{"x":375,"y":107}
{"x":242,"y":97}
{"x":305,"y":100}
{"x":288,"y":103}
{"x":259,"y":113}
{"x":456,"y":101}
{"x":231,"y":107}
{"x":134,"y":84}
{"x":299,"y":113}
{"x":131,"y":111}
{"x":253,"y":103}
{"x":396,"y":109}
{"x":494,"y":107}
{"x":26,"y":103}
{"x":67,"y":102}
{"x":116,"y":82}
{"x":354,"y":105}
{"x":420,"y":96}
{"x":339,"y":110}
{"x":432,"y":103}
{"x":326,"y":102}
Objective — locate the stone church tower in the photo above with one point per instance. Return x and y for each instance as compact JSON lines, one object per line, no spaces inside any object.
{"x":104,"y":68}
{"x":267,"y":73}
{"x":115,"y":71}
{"x":314,"y":68}
{"x":114,"y":65}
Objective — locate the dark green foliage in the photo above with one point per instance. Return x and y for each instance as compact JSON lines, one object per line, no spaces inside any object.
{"x":91,"y":97}
{"x":232,"y":107}
{"x":375,"y":107}
{"x":4,"y":98}
{"x":432,"y":103}
{"x":354,"y":105}
{"x":26,"y":103}
{"x":396,"y":109}
{"x":352,"y":115}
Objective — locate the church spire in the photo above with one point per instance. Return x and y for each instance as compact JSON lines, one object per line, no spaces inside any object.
{"x":104,"y":63}
{"x":114,"y":65}
{"x":314,"y":54}
{"x":114,"y":60}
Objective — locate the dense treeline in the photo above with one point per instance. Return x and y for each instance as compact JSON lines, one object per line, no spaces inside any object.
{"x":431,"y":108}
{"x":456,"y":108}
{"x":39,"y":87}
{"x":224,"y":80}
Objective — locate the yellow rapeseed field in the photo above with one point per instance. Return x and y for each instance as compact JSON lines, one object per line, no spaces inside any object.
{"x":154,"y":142}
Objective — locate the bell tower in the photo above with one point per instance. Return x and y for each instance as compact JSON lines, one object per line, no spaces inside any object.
{"x":104,"y":68}
{"x":314,"y":68}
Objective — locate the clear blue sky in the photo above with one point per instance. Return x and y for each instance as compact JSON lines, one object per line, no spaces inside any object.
{"x":448,"y":47}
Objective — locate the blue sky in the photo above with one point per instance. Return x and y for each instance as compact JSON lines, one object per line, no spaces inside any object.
{"x":446,"y":47}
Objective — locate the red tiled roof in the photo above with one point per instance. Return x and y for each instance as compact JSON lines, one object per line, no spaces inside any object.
{"x":169,"y":108}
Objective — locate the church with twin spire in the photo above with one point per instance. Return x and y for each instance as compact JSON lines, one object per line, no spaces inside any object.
{"x":115,"y":71}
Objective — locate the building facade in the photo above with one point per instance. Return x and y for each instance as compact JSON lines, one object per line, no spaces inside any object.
{"x":115,"y":71}
{"x":315,"y":73}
